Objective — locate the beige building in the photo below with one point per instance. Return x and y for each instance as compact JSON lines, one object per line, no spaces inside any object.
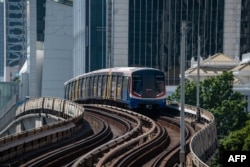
{"x":212,"y":66}
{"x":218,"y":63}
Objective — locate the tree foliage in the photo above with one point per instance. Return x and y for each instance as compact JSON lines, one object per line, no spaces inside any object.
{"x":190,"y":93}
{"x":218,"y":97}
{"x":238,"y":140}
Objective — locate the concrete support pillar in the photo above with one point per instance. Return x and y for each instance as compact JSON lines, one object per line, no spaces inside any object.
{"x":38,"y":122}
{"x":18,"y":127}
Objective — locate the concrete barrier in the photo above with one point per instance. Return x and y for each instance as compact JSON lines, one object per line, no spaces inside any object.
{"x":38,"y":137}
{"x":205,"y":142}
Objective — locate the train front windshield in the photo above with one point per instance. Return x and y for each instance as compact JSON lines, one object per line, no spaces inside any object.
{"x":159,"y":85}
{"x":148,"y":84}
{"x":137,"y":85}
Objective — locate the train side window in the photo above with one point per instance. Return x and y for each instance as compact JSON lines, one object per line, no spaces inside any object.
{"x":90,"y":86}
{"x":95,"y":85}
{"x":83,"y":87}
{"x":129,"y":81}
{"x":125,"y":88}
{"x":159,"y":84}
{"x":87,"y":87}
{"x":79,"y":87}
{"x":73,"y":90}
{"x":66,"y":90}
{"x":137,"y":84}
{"x":119,"y":87}
{"x":76,"y":89}
{"x":113,"y":86}
{"x":104,"y":85}
{"x":69,"y":93}
{"x":99,"y":90}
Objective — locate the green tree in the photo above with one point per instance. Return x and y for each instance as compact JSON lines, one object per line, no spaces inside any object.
{"x":230,"y":114}
{"x":238,"y":140}
{"x":216,"y":89}
{"x":218,"y":97}
{"x":190,"y":93}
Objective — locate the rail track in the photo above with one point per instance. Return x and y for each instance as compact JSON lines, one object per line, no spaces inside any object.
{"x":170,"y":156}
{"x":153,"y":139}
{"x":67,"y":154}
{"x":73,"y":149}
{"x":120,"y":138}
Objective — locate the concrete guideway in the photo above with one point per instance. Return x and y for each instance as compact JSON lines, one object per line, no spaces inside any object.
{"x":205,"y":142}
{"x":70,"y":113}
{"x":202,"y":146}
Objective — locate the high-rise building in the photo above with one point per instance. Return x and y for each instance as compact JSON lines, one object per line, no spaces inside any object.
{"x":244,"y":27}
{"x":111,"y":33}
{"x":49,"y":48}
{"x":2,"y":64}
{"x":15,"y":29}
{"x":90,"y":35}
{"x":144,"y":33}
{"x":236,"y":28}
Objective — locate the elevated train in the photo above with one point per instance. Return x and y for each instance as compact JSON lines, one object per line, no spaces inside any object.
{"x":129,"y":87}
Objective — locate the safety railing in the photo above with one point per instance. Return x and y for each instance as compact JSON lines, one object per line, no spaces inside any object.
{"x":204,"y":143}
{"x":6,"y":114}
{"x":35,"y":138}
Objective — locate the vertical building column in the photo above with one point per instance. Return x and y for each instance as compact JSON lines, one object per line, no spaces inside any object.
{"x":119,"y":33}
{"x":80,"y":36}
{"x":32,"y":60}
{"x":18,"y":127}
{"x":38,"y":122}
{"x":231,"y":33}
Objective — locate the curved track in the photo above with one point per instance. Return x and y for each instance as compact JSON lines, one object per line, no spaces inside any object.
{"x":170,"y":156}
{"x":120,"y":138}
{"x":68,"y":154}
{"x":70,"y":151}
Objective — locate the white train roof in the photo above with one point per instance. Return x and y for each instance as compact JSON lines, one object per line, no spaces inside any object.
{"x":124,"y":70}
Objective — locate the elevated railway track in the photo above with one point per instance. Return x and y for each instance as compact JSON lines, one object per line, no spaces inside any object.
{"x":130,"y":137}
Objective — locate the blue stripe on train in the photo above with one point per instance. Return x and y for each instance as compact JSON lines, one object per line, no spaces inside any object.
{"x":134,"y":103}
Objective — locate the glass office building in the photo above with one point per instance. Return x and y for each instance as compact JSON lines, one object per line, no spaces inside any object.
{"x":89,"y":35}
{"x":16,"y":34}
{"x":7,"y":90}
{"x":245,"y":27}
{"x":155,"y":32}
{"x":147,"y":33}
{"x":1,"y":41}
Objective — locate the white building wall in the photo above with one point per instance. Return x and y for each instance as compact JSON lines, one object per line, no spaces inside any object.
{"x":58,"y":43}
{"x":79,"y":37}
{"x":31,"y":51}
{"x":232,"y":17}
{"x":23,"y":86}
{"x":120,"y":33}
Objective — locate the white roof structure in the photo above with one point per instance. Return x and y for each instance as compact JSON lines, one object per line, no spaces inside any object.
{"x":124,"y":70}
{"x":211,"y":66}
{"x":218,"y":63}
{"x":242,"y":75}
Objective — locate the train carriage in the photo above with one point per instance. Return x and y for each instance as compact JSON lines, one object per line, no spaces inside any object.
{"x":131,"y":87}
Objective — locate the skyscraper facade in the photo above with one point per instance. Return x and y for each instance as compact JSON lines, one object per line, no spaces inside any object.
{"x":155,"y":32}
{"x":49,"y":48}
{"x":148,"y":32}
{"x":244,"y":27}
{"x":15,"y":29}
{"x":2,"y":64}
{"x":89,"y":35}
